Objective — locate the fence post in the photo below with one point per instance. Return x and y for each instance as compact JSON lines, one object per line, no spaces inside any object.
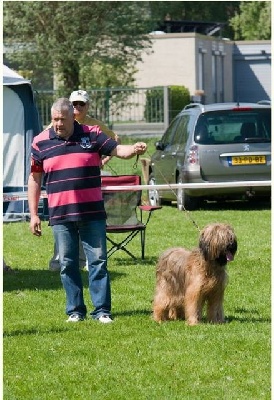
{"x":166,"y":107}
{"x":145,"y":162}
{"x":107,"y":106}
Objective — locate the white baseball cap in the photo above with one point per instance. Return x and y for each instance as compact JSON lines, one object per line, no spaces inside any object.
{"x":79,"y":95}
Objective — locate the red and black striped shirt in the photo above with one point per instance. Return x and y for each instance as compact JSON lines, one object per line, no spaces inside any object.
{"x":72,"y":172}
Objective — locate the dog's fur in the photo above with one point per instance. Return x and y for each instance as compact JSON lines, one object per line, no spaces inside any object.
{"x":186,"y":280}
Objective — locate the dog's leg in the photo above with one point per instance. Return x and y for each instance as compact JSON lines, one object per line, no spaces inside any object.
{"x":164,"y":309}
{"x":160,"y":307}
{"x":176,"y":312}
{"x":159,"y":313}
{"x":193,"y":306}
{"x":215,"y":309}
{"x":180,"y":312}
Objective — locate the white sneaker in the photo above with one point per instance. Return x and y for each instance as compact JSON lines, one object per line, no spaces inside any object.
{"x":74,"y":317}
{"x":105,"y":319}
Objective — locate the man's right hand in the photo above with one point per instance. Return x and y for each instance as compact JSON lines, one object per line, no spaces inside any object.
{"x":35,"y":226}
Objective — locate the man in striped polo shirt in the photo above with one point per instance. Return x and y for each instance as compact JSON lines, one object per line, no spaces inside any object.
{"x":69,"y":155}
{"x":80,"y":101}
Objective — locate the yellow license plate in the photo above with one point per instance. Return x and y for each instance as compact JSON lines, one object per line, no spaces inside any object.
{"x":248,"y":160}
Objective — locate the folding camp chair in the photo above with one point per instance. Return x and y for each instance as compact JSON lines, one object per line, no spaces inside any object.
{"x":123,"y":207}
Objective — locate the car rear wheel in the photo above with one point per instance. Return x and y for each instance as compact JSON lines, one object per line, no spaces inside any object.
{"x":153,"y":194}
{"x":185,"y":202}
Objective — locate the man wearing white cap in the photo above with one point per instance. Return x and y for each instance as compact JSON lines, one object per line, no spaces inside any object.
{"x":80,"y":102}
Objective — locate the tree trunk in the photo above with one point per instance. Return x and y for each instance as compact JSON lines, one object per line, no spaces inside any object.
{"x":71,"y":77}
{"x":67,"y":77}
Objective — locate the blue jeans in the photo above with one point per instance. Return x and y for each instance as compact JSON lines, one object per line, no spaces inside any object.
{"x":93,"y":237}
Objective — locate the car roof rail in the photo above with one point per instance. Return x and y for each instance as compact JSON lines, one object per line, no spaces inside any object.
{"x":194,"y":105}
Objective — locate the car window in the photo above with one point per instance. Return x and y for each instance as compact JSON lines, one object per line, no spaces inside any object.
{"x":168,"y":135}
{"x":231,"y":126}
{"x":180,"y":136}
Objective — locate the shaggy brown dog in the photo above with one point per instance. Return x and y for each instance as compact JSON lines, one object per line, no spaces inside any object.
{"x":186,"y":280}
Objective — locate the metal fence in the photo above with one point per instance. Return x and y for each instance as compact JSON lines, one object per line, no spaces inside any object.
{"x":117,"y":106}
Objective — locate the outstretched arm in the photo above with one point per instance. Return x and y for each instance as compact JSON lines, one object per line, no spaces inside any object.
{"x":126,"y":151}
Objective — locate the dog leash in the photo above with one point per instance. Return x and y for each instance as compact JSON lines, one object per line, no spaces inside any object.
{"x":134,"y":166}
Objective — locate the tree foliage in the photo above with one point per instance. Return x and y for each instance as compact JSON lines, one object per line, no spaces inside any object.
{"x":202,"y":11}
{"x":95,"y":44}
{"x":253,"y":22}
{"x":193,"y":10}
{"x":70,"y":37}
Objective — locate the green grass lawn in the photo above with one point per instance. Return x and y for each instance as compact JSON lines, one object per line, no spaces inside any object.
{"x":135,"y":358}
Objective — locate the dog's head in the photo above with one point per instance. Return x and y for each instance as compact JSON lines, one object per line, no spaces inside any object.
{"x":218,"y":243}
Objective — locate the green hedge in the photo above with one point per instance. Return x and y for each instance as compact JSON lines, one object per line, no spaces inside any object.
{"x":179,"y":97}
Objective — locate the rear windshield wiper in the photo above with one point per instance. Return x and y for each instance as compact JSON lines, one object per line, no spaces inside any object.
{"x":257,"y":140}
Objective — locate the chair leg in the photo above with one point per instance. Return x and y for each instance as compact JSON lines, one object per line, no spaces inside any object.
{"x":143,"y":241}
{"x":115,"y":248}
{"x":121,"y":246}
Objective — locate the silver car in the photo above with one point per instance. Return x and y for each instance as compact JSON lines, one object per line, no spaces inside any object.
{"x":222,"y":142}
